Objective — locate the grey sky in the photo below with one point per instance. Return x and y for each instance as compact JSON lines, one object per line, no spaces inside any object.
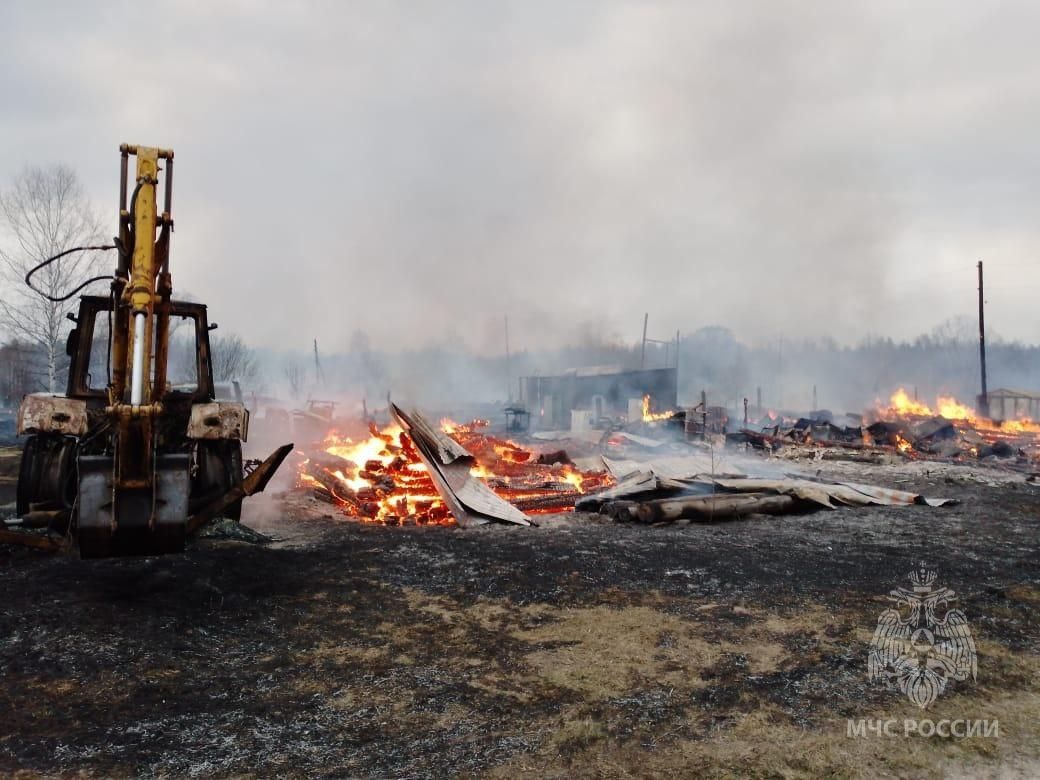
{"x":416,"y":170}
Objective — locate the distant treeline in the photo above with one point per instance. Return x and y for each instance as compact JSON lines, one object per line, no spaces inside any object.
{"x":712,"y":359}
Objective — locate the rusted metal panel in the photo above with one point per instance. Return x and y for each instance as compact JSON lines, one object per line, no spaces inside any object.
{"x":46,"y":413}
{"x":470,"y":500}
{"x":219,"y":420}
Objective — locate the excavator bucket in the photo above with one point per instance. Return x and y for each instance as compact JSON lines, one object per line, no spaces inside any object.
{"x":142,"y":521}
{"x":152,"y":521}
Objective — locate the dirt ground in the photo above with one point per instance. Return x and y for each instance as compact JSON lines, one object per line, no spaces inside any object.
{"x":579,"y":648}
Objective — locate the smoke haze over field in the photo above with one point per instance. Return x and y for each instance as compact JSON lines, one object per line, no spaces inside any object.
{"x":415,"y":170}
{"x":846,"y":379}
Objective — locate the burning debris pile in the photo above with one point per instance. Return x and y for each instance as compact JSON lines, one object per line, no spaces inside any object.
{"x":386,"y":478}
{"x":379,"y":479}
{"x":906,"y":426}
{"x":413,"y":472}
{"x":533,"y":483}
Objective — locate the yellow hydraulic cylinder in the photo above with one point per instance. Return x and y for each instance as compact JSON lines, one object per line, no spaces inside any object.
{"x":140,"y":292}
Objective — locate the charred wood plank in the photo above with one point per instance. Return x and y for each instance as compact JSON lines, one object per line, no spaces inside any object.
{"x":332,"y":463}
{"x":38,"y":541}
{"x":562,"y":500}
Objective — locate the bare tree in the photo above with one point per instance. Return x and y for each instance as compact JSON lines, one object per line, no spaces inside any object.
{"x":45,"y":212}
{"x":233,"y":359}
{"x":294,"y":376}
{"x":17,"y":375}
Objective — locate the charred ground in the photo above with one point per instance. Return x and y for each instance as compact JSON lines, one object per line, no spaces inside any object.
{"x":581,"y":646}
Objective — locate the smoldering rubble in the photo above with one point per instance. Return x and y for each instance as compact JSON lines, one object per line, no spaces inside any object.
{"x":420,"y":473}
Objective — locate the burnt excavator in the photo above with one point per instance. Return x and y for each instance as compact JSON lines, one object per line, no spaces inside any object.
{"x":137,"y":454}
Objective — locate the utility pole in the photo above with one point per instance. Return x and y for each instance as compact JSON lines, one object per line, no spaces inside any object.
{"x":983,"y":399}
{"x":642,"y":356}
{"x":319,"y":374}
{"x":509,"y":371}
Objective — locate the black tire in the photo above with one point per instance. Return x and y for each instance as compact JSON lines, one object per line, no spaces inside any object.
{"x":233,"y":465}
{"x":47,"y":473}
{"x":27,"y":480}
{"x":219,"y":468}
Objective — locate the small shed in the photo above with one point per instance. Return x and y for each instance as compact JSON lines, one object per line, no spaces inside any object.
{"x":1004,"y":404}
{"x":602,"y":391}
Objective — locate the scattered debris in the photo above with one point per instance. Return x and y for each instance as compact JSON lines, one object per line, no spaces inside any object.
{"x":649,"y":496}
{"x":222,"y":528}
{"x":906,"y":428}
{"x":649,"y":470}
{"x":415,"y":472}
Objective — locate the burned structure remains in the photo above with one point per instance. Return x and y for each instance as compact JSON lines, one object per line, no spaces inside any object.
{"x":595,"y":393}
{"x":1004,"y":404}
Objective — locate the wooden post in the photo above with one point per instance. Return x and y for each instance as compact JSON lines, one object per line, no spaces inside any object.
{"x":642,"y":355}
{"x":983,"y":401}
{"x":509,"y":372}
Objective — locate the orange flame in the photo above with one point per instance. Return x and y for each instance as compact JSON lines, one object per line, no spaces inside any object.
{"x":952,"y":410}
{"x":574,"y":478}
{"x":649,"y":416}
{"x":902,"y":404}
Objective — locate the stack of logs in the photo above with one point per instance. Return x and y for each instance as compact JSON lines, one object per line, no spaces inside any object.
{"x":400,"y":492}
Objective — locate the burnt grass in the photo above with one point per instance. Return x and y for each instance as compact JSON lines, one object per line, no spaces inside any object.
{"x":345,"y":650}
